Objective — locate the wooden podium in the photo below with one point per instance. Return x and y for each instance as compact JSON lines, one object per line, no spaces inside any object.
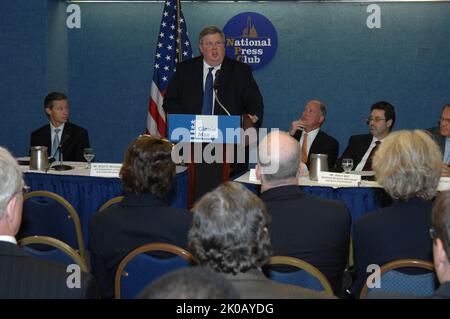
{"x":201,"y":133}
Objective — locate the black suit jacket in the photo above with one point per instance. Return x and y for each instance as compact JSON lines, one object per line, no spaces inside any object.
{"x":310,"y":228}
{"x":136,"y":221}
{"x":356,"y":148}
{"x":322,"y":144}
{"x":237,"y":91}
{"x":23,"y":276}
{"x":395,"y":232}
{"x":76,"y":137}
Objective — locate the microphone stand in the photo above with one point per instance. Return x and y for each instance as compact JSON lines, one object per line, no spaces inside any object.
{"x":61,"y":166}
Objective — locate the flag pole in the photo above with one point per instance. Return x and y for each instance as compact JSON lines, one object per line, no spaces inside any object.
{"x":180,"y":53}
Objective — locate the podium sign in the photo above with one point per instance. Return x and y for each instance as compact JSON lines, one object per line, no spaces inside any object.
{"x":221,"y":129}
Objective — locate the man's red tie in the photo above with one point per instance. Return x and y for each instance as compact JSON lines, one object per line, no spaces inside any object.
{"x":368,"y":165}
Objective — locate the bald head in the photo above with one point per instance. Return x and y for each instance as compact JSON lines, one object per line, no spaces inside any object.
{"x":278,"y":159}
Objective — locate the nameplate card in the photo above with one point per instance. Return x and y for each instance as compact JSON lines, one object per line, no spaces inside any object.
{"x":339,"y":179}
{"x":105,"y":169}
{"x":444,"y":184}
{"x":252,"y":177}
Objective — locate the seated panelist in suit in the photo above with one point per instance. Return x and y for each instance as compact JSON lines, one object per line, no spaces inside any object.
{"x":237,"y":89}
{"x":311,"y":138}
{"x":441,"y":136}
{"x":362,"y":148}
{"x":23,"y":276}
{"x":144,"y":215}
{"x":408,"y":166}
{"x":303,"y":226}
{"x":73,"y":137}
{"x":230,"y":234}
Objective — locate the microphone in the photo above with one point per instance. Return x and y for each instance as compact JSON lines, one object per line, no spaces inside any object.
{"x":61,"y":166}
{"x":216,"y":88}
{"x":63,"y":142}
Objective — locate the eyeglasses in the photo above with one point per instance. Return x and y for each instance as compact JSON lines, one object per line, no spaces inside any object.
{"x":375,"y":119}
{"x":213,"y":44}
{"x":433,"y":233}
{"x":444,"y":120}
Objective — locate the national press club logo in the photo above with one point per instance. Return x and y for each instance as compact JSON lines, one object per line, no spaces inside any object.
{"x":250,"y":38}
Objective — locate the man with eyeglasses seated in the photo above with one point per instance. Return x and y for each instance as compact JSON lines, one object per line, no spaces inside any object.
{"x":361,"y":148}
{"x":441,"y":135}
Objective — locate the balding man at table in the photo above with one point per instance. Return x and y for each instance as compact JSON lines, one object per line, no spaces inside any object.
{"x":311,"y":138}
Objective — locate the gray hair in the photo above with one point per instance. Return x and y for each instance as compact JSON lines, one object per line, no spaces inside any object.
{"x":279,"y":150}
{"x":10,"y":177}
{"x":408,"y":164}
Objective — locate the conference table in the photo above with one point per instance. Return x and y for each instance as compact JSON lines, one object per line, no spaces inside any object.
{"x":87,"y":193}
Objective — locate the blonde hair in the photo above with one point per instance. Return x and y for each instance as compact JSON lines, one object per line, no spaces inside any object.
{"x":408,"y":164}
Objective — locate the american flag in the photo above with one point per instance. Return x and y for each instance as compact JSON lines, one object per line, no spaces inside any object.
{"x":173,"y":46}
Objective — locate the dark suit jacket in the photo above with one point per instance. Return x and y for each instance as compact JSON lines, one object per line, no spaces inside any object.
{"x":322,"y":144}
{"x":237,"y":91}
{"x":72,"y":150}
{"x":310,"y":228}
{"x":356,"y":148}
{"x":136,"y":221}
{"x":254,"y":285}
{"x":395,"y":232}
{"x":23,"y":276}
{"x":438,"y":138}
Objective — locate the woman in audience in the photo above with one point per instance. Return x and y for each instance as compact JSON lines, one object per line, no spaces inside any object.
{"x":408,"y":166}
{"x":143,"y":216}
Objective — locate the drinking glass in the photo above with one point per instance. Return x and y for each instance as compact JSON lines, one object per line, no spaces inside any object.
{"x":347,"y":164}
{"x":89,"y":155}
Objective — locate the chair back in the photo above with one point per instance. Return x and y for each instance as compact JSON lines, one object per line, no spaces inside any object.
{"x":137,"y":268}
{"x":48,"y":214}
{"x":392,"y":280}
{"x":307,"y":276}
{"x":112,"y":202}
{"x":62,"y":252}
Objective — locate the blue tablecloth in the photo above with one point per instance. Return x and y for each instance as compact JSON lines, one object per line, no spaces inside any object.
{"x":87,"y":194}
{"x":359,"y":200}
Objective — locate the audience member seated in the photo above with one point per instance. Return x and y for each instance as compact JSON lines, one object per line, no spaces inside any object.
{"x":21,"y":275}
{"x":440,"y":233}
{"x":311,"y":138}
{"x":230,"y":234}
{"x":143,"y":216}
{"x":361,"y":148}
{"x":190,"y":283}
{"x":73,"y":137}
{"x":441,"y":135}
{"x":310,"y":228}
{"x":408,"y":166}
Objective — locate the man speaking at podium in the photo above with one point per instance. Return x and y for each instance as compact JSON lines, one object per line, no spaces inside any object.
{"x":193,"y":89}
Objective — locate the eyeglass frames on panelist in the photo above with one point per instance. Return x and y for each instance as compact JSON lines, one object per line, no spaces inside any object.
{"x":375,"y":119}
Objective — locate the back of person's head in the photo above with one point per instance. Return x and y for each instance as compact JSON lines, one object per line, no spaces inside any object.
{"x":53,"y":96}
{"x":229,"y":231}
{"x":389,"y":112}
{"x":278,"y":157}
{"x":148,"y":167}
{"x":440,"y":220}
{"x":408,"y":164}
{"x":190,"y":283}
{"x":11,"y":179}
